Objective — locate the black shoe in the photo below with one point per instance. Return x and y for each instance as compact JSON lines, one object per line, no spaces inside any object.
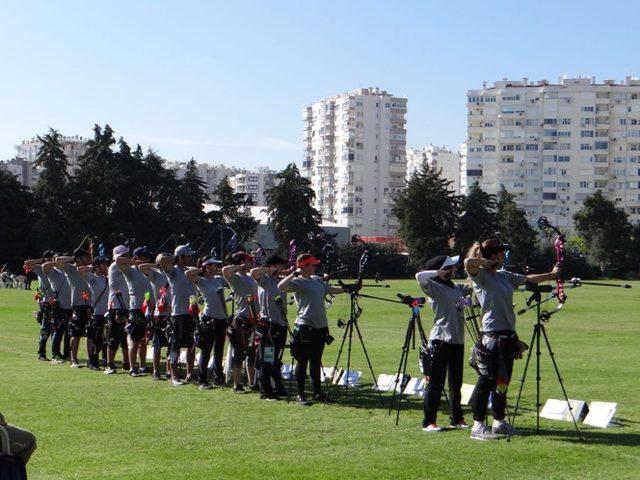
{"x":144,"y":370}
{"x":220,"y":382}
{"x":205,"y":386}
{"x":126,"y":367}
{"x":302,"y":400}
{"x":155,"y":377}
{"x":43,"y":358}
{"x":95,"y":368}
{"x":269,"y":397}
{"x":323,"y":397}
{"x":281,"y":392}
{"x":239,"y":389}
{"x":134,"y":372}
{"x":255,"y":388}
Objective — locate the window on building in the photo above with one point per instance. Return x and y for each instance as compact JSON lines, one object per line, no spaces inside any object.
{"x":586,"y":146}
{"x":586,"y":133}
{"x":532,"y":146}
{"x":601,"y":145}
{"x":489,"y":148}
{"x":587,"y":108}
{"x":548,"y":195}
{"x":565,"y":121}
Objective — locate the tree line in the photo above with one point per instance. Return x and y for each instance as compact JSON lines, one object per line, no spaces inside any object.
{"x":118,"y":194}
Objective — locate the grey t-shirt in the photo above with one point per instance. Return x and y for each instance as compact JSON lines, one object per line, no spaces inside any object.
{"x":243,"y":285}
{"x":309,"y":295}
{"x":267,"y":292}
{"x":60,"y":288}
{"x":181,"y":290}
{"x":209,"y":287}
{"x":78,"y":285}
{"x":99,"y":285}
{"x":138,"y":286}
{"x":43,"y":280}
{"x":117,"y":283}
{"x":448,"y":322}
{"x":159,"y":281}
{"x":495,"y":294}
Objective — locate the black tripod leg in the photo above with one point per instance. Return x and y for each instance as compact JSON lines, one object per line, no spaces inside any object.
{"x":346,"y":373}
{"x":366,"y":355}
{"x":524,"y":376}
{"x":402,"y":385}
{"x":335,"y":366}
{"x":564,"y":392}
{"x":405,"y":353}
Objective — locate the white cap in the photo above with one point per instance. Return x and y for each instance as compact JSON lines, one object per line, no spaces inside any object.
{"x":183,"y":250}
{"x":119,"y":251}
{"x":450,"y":261}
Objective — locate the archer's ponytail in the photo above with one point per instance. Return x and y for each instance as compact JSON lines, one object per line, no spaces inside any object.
{"x":475,"y":251}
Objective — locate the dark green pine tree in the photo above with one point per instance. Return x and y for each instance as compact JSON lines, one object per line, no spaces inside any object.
{"x":52,"y":193}
{"x":233,"y":211}
{"x":514,"y":229}
{"x":427,"y":210}
{"x":19,"y":237}
{"x":290,"y":208}
{"x":98,"y":187}
{"x":192,"y":197}
{"x":607,"y":234}
{"x":478,"y":220}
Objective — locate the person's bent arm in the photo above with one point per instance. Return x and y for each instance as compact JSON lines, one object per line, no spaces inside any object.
{"x":473,"y":265}
{"x":60,"y":261}
{"x":145,"y":268}
{"x":543,"y":277}
{"x":284,"y":283}
{"x":229,"y":270}
{"x":123,"y":263}
{"x":192,"y":274}
{"x":33,"y":262}
{"x":258,"y":272}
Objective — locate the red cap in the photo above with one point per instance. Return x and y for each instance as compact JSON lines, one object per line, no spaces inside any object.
{"x":308,"y":261}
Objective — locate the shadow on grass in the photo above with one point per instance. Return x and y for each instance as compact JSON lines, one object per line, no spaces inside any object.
{"x":614,"y":436}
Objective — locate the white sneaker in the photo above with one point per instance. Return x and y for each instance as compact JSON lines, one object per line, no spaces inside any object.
{"x":176,"y":383}
{"x":75,"y":365}
{"x":109,"y":371}
{"x":503,"y":428}
{"x":483,"y":433}
{"x":460,"y":425}
{"x":432,"y":428}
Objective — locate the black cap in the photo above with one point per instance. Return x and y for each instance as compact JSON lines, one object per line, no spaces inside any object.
{"x":273,"y":260}
{"x":48,"y":254}
{"x":436,"y":262}
{"x":80,"y":252}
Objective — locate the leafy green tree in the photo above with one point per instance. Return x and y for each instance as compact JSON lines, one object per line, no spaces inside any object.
{"x":514,"y":228}
{"x":191,"y":199}
{"x":19,"y":237}
{"x":52,"y":191}
{"x":478,"y":221}
{"x":427,"y":210}
{"x":607,"y":234}
{"x":290,"y":207}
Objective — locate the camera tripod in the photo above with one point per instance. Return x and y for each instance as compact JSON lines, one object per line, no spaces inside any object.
{"x":409,"y":338}
{"x":351,"y":325}
{"x":542,"y":317}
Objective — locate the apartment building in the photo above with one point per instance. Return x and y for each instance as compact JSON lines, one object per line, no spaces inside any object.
{"x":211,"y":174}
{"x":73,"y":146}
{"x":253,"y":184}
{"x":355,"y":157}
{"x":553,"y":144}
{"x":440,"y":158}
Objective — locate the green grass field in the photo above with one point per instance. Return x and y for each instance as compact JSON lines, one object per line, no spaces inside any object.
{"x":93,"y":426}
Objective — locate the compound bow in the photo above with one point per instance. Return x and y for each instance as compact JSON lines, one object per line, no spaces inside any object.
{"x":558,"y":245}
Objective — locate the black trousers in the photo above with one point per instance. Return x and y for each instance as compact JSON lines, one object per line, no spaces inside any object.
{"x":61,"y":319}
{"x":95,"y":338}
{"x":44,"y":319}
{"x":447,"y":361}
{"x":212,"y":333}
{"x":181,"y":336}
{"x":480,"y":396}
{"x":311,"y":353}
{"x":272,"y":336}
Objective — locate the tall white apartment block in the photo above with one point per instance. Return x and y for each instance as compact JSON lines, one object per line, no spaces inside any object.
{"x":355,"y":157}
{"x":447,"y":161}
{"x":253,"y":184}
{"x":463,"y":169}
{"x":73,"y":147}
{"x":552,"y":145}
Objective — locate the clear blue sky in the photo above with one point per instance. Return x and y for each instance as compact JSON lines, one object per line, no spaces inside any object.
{"x":225,"y":82}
